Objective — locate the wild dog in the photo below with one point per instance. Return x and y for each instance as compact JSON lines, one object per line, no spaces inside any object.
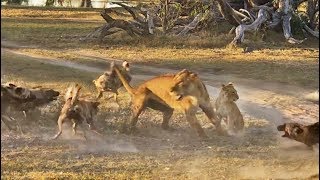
{"x":227,"y":109}
{"x":77,"y":111}
{"x":155,"y":93}
{"x":22,"y":99}
{"x":307,"y":134}
{"x":109,"y":81}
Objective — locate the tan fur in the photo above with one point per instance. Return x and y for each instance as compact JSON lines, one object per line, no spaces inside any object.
{"x":227,"y":108}
{"x":109,"y":82}
{"x":77,"y":110}
{"x":156,"y":94}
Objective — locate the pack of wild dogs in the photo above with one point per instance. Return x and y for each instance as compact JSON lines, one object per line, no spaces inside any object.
{"x":183,"y":91}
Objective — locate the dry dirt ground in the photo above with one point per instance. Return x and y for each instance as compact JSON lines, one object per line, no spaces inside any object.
{"x":153,"y":153}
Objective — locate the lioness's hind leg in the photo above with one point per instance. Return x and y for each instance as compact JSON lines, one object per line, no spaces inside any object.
{"x":166,"y":111}
{"x":137,"y":107}
{"x":166,"y":117}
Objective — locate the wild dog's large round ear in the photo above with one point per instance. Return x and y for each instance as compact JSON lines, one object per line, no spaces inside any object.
{"x":230,"y":83}
{"x":222,"y":85}
{"x":125,"y":64}
{"x":12,"y":85}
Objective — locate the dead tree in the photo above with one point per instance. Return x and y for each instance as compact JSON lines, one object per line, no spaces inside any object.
{"x":180,"y":17}
{"x":265,"y":15}
{"x":141,"y":25}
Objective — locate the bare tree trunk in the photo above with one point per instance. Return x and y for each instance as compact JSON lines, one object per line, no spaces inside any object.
{"x":86,"y":3}
{"x":192,"y":25}
{"x":312,"y":32}
{"x":165,"y":19}
{"x":263,"y":16}
{"x":150,"y":21}
{"x":228,"y":13}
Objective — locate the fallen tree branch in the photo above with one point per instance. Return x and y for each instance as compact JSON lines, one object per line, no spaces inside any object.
{"x":191,"y":25}
{"x":312,"y":32}
{"x":263,"y":16}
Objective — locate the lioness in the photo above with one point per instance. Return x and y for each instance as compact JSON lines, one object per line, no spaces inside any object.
{"x":226,"y":107}
{"x":109,"y":82}
{"x":155,"y":93}
{"x":77,"y":110}
{"x":307,"y":134}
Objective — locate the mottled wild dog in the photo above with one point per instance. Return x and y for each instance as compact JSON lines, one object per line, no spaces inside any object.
{"x":155,"y":94}
{"x":109,"y":81}
{"x":77,"y":110}
{"x":22,"y":99}
{"x":307,"y":134}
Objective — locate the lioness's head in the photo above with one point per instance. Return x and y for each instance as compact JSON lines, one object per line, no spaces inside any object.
{"x":183,"y":84}
{"x":17,"y":92}
{"x":229,"y":92}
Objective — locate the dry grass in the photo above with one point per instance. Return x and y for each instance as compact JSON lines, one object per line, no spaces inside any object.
{"x":151,"y":153}
{"x":272,"y":60}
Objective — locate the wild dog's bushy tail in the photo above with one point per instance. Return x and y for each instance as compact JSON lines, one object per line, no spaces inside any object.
{"x":123,"y":80}
{"x":72,"y":93}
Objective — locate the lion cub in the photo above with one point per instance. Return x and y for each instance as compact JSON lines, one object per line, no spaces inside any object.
{"x":225,"y":107}
{"x":109,"y":81}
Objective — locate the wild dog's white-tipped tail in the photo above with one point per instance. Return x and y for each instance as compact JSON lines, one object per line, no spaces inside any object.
{"x":126,"y":65}
{"x":72,"y":93}
{"x":68,"y":94}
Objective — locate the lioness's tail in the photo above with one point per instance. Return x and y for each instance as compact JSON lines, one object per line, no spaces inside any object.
{"x":124,"y":81}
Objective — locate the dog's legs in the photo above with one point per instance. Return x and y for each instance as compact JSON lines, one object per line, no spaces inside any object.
{"x":74,"y":127}
{"x":25,"y":115}
{"x":84,"y":131}
{"x":116,"y":98}
{"x":60,"y":122}
{"x":99,"y":95}
{"x":6,"y":121}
